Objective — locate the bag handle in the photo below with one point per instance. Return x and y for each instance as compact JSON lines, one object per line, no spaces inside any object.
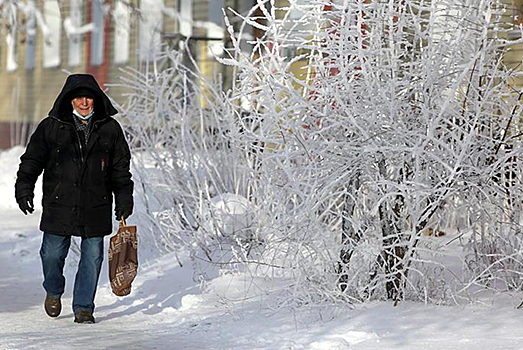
{"x":122,"y":222}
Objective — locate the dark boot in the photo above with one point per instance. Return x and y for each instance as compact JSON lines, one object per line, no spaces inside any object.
{"x":83,"y":316}
{"x":53,"y":306}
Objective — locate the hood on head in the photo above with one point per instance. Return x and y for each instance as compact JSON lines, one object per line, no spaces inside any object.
{"x":82,"y":92}
{"x":62,"y":107}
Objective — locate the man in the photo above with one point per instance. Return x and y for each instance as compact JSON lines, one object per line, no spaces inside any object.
{"x":85,"y":159}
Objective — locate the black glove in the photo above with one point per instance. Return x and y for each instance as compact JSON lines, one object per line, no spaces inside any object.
{"x":26,"y":205}
{"x":123,"y":212}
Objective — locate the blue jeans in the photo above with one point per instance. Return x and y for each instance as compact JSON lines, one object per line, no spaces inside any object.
{"x":53,"y":252}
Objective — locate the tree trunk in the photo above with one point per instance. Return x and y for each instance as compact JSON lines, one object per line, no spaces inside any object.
{"x":349,"y":235}
{"x":393,"y":253}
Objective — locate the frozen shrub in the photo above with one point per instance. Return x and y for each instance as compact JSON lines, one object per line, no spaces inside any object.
{"x":404,"y":119}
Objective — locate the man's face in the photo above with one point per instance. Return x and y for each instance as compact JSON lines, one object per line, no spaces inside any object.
{"x":83,"y":105}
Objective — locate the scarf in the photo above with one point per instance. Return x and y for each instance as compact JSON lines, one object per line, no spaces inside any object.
{"x":84,"y":129}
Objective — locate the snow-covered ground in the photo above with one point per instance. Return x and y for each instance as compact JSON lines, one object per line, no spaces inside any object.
{"x":168,"y":310}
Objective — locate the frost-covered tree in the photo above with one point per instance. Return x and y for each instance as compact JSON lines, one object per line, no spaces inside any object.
{"x":404,"y":121}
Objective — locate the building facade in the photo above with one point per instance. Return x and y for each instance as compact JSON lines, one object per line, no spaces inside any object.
{"x":42,"y":41}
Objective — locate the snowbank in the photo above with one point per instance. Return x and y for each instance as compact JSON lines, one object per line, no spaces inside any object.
{"x":233,"y":214}
{"x":9,"y":161}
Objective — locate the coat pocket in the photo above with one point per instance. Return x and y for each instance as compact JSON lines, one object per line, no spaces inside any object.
{"x":53,"y":197}
{"x":98,"y":199}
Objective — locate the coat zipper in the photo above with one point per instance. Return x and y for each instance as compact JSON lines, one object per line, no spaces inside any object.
{"x":81,"y":148}
{"x":81,"y":155}
{"x":78,"y":137}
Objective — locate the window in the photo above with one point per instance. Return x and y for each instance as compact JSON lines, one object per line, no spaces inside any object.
{"x":150,"y":29}
{"x":121,"y":32}
{"x":31,"y":36}
{"x":97,"y":36}
{"x":52,"y":39}
{"x":248,"y":31}
{"x":11,"y":39}
{"x":75,"y":39}
{"x":186,"y":17}
{"x":216,"y":31}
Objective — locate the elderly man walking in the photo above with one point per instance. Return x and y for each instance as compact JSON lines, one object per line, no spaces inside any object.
{"x":85,"y":159}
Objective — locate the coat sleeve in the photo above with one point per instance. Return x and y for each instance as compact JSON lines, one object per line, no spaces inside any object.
{"x":121,"y":182}
{"x":32,"y":162}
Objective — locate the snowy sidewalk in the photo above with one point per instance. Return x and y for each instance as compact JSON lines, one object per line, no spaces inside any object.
{"x":166,"y":311}
{"x":134,"y":322}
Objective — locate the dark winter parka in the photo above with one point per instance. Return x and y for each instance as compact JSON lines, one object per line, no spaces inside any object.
{"x":79,"y":180}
